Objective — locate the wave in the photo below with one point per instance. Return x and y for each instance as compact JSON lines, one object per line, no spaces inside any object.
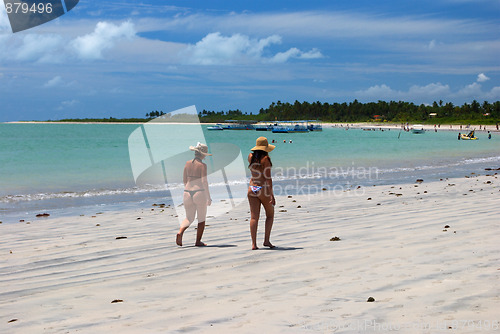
{"x":280,"y":175}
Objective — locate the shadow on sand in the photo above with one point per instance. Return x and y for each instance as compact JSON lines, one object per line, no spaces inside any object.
{"x":280,"y":248}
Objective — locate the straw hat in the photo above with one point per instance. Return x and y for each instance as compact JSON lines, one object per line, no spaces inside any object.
{"x":262,"y":144}
{"x":200,"y":148}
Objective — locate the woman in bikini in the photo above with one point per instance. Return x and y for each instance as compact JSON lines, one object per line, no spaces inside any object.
{"x":260,"y":191}
{"x":196,"y":193}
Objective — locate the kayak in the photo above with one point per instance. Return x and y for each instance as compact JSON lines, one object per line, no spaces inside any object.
{"x":465,"y":137}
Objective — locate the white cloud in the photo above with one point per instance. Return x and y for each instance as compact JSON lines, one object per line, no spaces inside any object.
{"x":432,"y":90}
{"x":67,"y":104}
{"x":415,"y":93}
{"x":55,"y":81}
{"x":378,"y":91}
{"x":41,"y":48}
{"x":482,"y":77}
{"x":104,"y":37}
{"x":4,"y":20}
{"x":494,"y":94}
{"x":429,"y":93}
{"x":282,"y":57}
{"x":216,"y":49}
{"x":471,"y":91}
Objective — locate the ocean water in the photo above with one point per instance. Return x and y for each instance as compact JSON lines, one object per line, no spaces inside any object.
{"x":78,"y":167}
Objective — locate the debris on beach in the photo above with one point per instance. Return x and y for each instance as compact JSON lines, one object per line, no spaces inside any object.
{"x":447,"y":226}
{"x":283,"y":211}
{"x":419,"y":181}
{"x":370,"y":300}
{"x":11,"y":320}
{"x":335,"y":239}
{"x":118,"y":238}
{"x":117,"y":301}
{"x":43,"y":215}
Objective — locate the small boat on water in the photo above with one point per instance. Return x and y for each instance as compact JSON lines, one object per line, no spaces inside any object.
{"x":290,"y":127}
{"x":263,"y":127}
{"x":314,"y":125}
{"x":217,"y":127}
{"x":417,"y":128}
{"x":238,"y":125}
{"x":469,"y":136}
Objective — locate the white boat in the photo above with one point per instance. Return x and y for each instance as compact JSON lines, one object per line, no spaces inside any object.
{"x":417,"y":128}
{"x":290,"y":127}
{"x":217,"y":127}
{"x":238,"y":125}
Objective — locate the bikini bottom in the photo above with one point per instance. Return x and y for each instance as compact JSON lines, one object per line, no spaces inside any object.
{"x":192,"y":192}
{"x":255,"y":189}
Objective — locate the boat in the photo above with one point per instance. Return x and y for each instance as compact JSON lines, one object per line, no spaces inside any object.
{"x":238,"y":125}
{"x":217,"y":127}
{"x":469,"y":136}
{"x":314,"y":125}
{"x":417,"y":128}
{"x":290,"y":127}
{"x":263,"y":127}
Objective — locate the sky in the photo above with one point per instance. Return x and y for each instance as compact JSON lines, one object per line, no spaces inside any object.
{"x":126,"y":58}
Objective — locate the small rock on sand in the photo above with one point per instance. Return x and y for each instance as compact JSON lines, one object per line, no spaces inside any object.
{"x":371,"y":299}
{"x":335,"y":239}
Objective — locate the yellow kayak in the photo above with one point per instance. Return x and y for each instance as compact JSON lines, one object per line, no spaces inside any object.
{"x":465,"y":137}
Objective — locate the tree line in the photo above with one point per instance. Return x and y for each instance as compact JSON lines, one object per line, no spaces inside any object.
{"x":400,"y":111}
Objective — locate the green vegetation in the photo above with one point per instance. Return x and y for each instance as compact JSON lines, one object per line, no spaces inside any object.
{"x":396,"y":112}
{"x":381,"y":111}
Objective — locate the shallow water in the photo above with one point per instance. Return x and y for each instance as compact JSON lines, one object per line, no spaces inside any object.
{"x":71,"y":166}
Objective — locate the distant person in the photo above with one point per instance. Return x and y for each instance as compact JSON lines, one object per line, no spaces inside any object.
{"x":196,"y":193}
{"x":489,"y":135}
{"x":459,"y":136}
{"x":260,"y":190}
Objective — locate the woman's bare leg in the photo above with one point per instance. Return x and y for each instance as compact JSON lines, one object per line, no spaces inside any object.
{"x":254,"y":202}
{"x":200,"y":200}
{"x":269,"y":208}
{"x":199,"y":234}
{"x":190,"y":208}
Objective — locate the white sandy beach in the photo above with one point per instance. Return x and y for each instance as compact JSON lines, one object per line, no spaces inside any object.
{"x":61,"y":275}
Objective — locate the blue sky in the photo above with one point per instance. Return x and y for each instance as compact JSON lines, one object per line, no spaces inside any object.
{"x":127,"y":58}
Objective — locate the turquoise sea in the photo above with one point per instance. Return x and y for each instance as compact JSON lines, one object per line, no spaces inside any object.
{"x":75,"y":168}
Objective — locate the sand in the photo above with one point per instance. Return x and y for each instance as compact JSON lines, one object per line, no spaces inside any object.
{"x":427,"y":253}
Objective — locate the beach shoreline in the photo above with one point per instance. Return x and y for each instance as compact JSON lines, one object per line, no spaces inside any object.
{"x":425,"y":252}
